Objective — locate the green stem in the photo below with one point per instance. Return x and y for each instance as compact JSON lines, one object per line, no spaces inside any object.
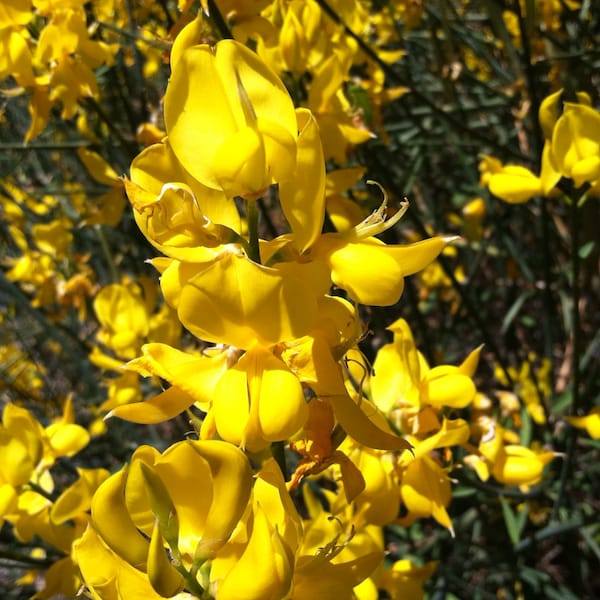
{"x":278,"y":450}
{"x":50,"y":147}
{"x":252,"y":218}
{"x":191,"y":583}
{"x":575,"y":262}
{"x":114,"y":274}
{"x":218,"y":20}
{"x":575,"y":199}
{"x":26,"y":559}
{"x":42,"y":492}
{"x":136,"y":37}
{"x":547,"y":532}
{"x":532,"y":85}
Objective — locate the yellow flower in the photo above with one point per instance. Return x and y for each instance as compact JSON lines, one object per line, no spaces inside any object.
{"x":370,"y":271}
{"x":404,"y":581}
{"x":123,"y":315}
{"x":332,"y":110}
{"x":404,"y":382}
{"x":576,"y":143}
{"x":590,"y":422}
{"x":176,"y":213}
{"x":15,"y":55}
{"x":258,"y":401}
{"x":511,"y":464}
{"x":299,"y":34}
{"x":231,"y":123}
{"x":511,"y":183}
{"x":312,"y":361}
{"x":76,"y":499}
{"x":252,"y":401}
{"x":425,"y":485}
{"x":426,"y":491}
{"x":231,"y":299}
{"x":318,"y":453}
{"x":379,"y":502}
{"x":190,"y":499}
{"x":339,"y":552}
{"x":258,"y":562}
{"x":106,"y":208}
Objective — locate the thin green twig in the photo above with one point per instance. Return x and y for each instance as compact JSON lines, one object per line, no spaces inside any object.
{"x":252,"y":215}
{"x":219,"y":21}
{"x":574,"y":198}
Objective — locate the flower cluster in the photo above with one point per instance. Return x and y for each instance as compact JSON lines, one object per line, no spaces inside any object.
{"x":571,"y":151}
{"x":275,"y":370}
{"x":292,"y":448}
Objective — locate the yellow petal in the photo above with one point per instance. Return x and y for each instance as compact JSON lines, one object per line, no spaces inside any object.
{"x":515,"y":184}
{"x":373,"y":273}
{"x":258,"y":401}
{"x":189,"y":36}
{"x":187,"y":477}
{"x":367,"y":272}
{"x":352,"y":478}
{"x":156,"y":166}
{"x":67,"y":439}
{"x":157,"y":409}
{"x":327,"y":580}
{"x":77,"y":498}
{"x":163,"y":576}
{"x":361,"y":428}
{"x":107,"y":575}
{"x":195,"y":374}
{"x":548,"y":113}
{"x":549,"y":175}
{"x":237,"y":302}
{"x":239,"y":163}
{"x":469,"y":365}
{"x":264,"y":570}
{"x":591,"y":423}
{"x":426,"y":490}
{"x":519,"y":465}
{"x":98,"y":168}
{"x":452,"y":433}
{"x":231,"y":411}
{"x":380,"y":500}
{"x":112,"y":521}
{"x":271,"y":493}
{"x":232,"y":484}
{"x":576,"y":145}
{"x":17,"y":463}
{"x":8,"y":499}
{"x":303,"y":197}
{"x":282,"y":408}
{"x":447,"y":386}
{"x":213,"y":95}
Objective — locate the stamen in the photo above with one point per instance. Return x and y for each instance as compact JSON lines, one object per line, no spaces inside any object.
{"x":376,"y":222}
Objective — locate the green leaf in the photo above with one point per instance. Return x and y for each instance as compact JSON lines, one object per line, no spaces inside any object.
{"x":586,"y":249}
{"x":587,"y":535}
{"x":514,"y":522}
{"x":513,"y":311}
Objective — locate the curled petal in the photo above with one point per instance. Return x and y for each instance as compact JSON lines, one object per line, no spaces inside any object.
{"x":265,"y":568}
{"x":160,"y":408}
